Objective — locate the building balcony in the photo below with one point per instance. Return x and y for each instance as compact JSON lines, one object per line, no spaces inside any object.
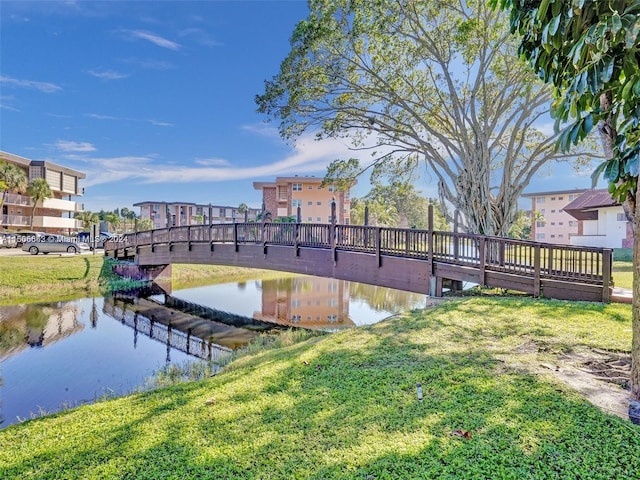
{"x":17,"y":199}
{"x":56,"y":222}
{"x":16,"y":221}
{"x":64,"y":205}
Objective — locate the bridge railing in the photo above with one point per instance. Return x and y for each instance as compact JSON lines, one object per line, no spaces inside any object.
{"x":521,"y":257}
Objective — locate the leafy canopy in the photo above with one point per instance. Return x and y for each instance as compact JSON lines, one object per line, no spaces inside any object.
{"x":589,"y":51}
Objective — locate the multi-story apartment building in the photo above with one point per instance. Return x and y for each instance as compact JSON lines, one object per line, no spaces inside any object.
{"x":283,"y":197}
{"x":555,"y":225}
{"x":176,"y":214}
{"x":53,"y":215}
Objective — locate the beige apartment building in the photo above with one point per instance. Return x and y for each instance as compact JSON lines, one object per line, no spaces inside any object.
{"x":283,"y":197}
{"x":556,"y":226}
{"x":177,"y":214}
{"x":53,"y":215}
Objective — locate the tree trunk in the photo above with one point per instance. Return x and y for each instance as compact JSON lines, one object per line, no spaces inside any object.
{"x":635,"y":321}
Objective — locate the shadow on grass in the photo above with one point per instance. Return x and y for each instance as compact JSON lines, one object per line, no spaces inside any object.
{"x":344,"y":406}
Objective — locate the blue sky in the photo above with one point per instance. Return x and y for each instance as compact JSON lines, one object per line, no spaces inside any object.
{"x":154,"y":100}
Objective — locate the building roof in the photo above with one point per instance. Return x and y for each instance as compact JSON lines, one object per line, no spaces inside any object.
{"x":204,"y":205}
{"x":556,"y":192}
{"x":25,"y":162}
{"x":585,"y":207}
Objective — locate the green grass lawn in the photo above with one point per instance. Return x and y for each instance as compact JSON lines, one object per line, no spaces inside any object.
{"x":344,"y":406}
{"x":30,"y":279}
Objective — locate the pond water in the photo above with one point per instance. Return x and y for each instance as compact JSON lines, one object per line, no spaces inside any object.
{"x":59,"y":355}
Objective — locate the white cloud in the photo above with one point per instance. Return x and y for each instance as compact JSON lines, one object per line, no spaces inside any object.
{"x":212,"y":162}
{"x":68,"y":146}
{"x":155,"y":39}
{"x":44,"y":87}
{"x":308,"y":157}
{"x":160,"y":124}
{"x":200,"y":36}
{"x":107,"y":74}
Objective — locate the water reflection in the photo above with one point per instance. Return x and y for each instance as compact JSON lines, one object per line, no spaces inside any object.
{"x":59,"y":355}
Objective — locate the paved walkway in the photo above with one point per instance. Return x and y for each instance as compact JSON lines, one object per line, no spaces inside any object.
{"x":622,"y":295}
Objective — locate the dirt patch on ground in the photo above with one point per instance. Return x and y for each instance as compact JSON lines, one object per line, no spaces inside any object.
{"x":602,"y":377}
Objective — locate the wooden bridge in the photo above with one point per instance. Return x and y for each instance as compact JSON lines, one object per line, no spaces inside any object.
{"x":422,"y":261}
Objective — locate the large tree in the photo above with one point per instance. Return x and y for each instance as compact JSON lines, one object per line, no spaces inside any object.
{"x":590,"y":52}
{"x":438,"y":82}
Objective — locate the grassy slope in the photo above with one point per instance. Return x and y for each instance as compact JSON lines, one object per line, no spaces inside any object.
{"x":30,"y":279}
{"x":344,"y":406}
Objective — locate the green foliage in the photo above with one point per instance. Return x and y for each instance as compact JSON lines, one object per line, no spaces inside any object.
{"x":589,"y":52}
{"x":87,"y":218}
{"x":344,"y":406}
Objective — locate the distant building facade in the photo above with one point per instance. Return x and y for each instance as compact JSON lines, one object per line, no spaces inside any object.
{"x":53,"y":215}
{"x":602,"y":221}
{"x":556,"y":225}
{"x":177,"y":214}
{"x":282,"y":198}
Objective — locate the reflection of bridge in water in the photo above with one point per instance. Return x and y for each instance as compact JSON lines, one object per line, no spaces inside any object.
{"x":177,"y":330}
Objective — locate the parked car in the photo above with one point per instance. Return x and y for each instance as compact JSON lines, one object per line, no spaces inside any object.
{"x":55,"y":244}
{"x":8,"y":240}
{"x":24,"y":236}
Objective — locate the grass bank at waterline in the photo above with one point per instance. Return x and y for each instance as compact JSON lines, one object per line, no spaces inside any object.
{"x":30,"y":279}
{"x":345,"y":406}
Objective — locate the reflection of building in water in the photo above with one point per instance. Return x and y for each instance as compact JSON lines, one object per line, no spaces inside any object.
{"x":310,"y":302}
{"x":36,"y":325}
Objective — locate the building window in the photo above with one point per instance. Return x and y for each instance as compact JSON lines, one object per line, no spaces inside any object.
{"x":296,"y":303}
{"x":309,"y":187}
{"x":542,"y":211}
{"x":572,"y":223}
{"x":296,"y":203}
{"x":560,"y":223}
{"x":573,"y":197}
{"x":539,"y":199}
{"x":309,"y":219}
{"x":318,"y":219}
{"x":621,"y":217}
{"x":553,"y":198}
{"x":540,"y":224}
{"x":329,"y":219}
{"x":332,"y":188}
{"x":560,"y":198}
{"x":553,"y":236}
{"x":553,"y":211}
{"x":309,"y":203}
{"x":553,"y":223}
{"x":319,"y":203}
{"x":319,"y":187}
{"x":539,"y":236}
{"x":296,"y":318}
{"x":296,"y":187}
{"x":561,"y":235}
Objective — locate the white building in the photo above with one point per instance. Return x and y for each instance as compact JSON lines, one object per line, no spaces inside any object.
{"x":602,"y":221}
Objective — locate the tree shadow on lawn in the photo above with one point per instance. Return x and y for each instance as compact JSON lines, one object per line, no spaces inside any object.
{"x":345,"y":406}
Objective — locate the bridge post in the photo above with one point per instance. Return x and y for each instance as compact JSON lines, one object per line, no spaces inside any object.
{"x":456,"y":240}
{"x":607,"y":255}
{"x":296,"y":236}
{"x":235,"y":236}
{"x":430,"y":239}
{"x":536,"y":271}
{"x":482,"y":256}
{"x":379,"y":245}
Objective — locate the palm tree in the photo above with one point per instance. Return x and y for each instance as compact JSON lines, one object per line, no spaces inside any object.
{"x":113,"y":220}
{"x":243,"y":208}
{"x":12,"y":179}
{"x":87,"y":218}
{"x":38,"y":189}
